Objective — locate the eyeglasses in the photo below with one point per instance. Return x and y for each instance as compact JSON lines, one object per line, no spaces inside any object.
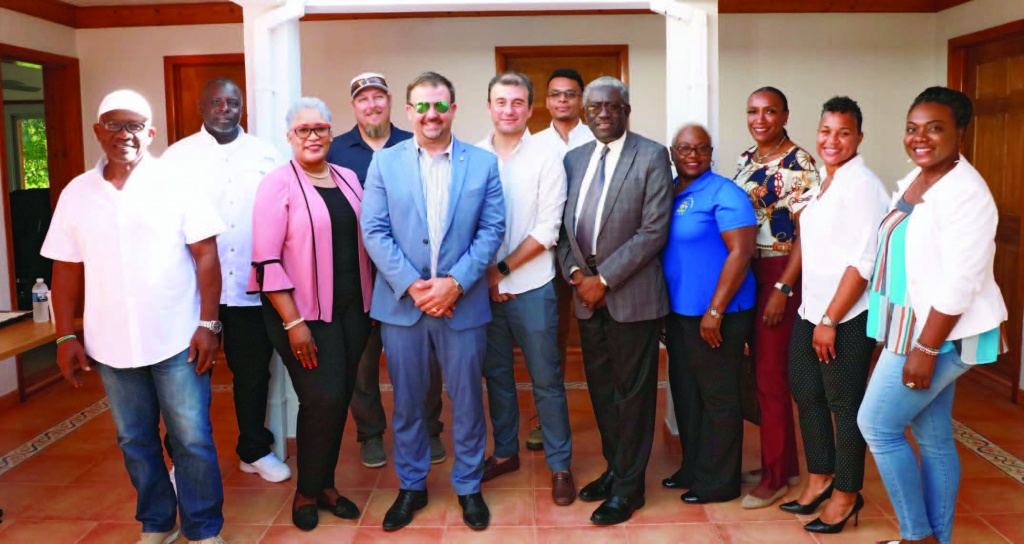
{"x":132,"y":127}
{"x":424,"y":107}
{"x":595,"y":108}
{"x":304,"y":132}
{"x":569,"y":95}
{"x":684,"y":150}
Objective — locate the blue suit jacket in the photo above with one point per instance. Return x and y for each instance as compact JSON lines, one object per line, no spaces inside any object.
{"x":394,"y":225}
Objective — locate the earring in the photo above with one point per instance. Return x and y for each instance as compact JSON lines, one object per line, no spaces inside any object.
{"x":712,"y":163}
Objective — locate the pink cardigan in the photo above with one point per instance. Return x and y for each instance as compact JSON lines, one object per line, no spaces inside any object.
{"x":291,"y":240}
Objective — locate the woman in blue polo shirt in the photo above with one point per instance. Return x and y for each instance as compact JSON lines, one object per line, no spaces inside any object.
{"x":712,"y":294}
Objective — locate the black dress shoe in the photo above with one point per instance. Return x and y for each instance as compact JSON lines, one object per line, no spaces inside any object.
{"x":818,"y":526}
{"x":400,"y":513}
{"x":305,"y":517}
{"x":794,"y":507}
{"x":616,"y":510}
{"x":342,"y":508}
{"x":692,"y":498}
{"x":677,"y":481}
{"x":475,"y":513}
{"x":598,"y":490}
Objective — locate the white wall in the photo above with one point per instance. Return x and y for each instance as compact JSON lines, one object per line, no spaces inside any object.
{"x":31,"y":33}
{"x":114,"y":58}
{"x":462,"y":49}
{"x":880,"y":60}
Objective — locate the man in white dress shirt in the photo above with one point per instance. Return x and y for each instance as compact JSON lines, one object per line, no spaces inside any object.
{"x":523,"y":300}
{"x":229,"y":164}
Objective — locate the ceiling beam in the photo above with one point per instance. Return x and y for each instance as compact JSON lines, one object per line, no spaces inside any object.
{"x":218,"y":12}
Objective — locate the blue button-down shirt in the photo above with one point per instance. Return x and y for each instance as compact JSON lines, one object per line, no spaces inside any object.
{"x":351,"y":151}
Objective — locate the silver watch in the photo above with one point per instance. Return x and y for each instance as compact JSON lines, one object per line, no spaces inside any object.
{"x":214,"y":326}
{"x":827,"y":321}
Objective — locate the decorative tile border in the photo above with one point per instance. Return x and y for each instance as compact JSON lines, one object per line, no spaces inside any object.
{"x":988,"y":451}
{"x":981,"y":446}
{"x":49,"y":437}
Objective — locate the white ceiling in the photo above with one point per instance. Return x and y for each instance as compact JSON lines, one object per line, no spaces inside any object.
{"x":130,"y":2}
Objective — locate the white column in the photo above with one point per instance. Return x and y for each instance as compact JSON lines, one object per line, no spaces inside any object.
{"x":691,"y":81}
{"x":273,"y":82}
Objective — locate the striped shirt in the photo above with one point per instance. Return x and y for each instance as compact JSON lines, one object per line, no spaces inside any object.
{"x":436,"y":178}
{"x":891,"y":318}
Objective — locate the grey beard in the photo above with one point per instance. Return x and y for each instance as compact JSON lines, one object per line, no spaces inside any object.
{"x":377,"y":131}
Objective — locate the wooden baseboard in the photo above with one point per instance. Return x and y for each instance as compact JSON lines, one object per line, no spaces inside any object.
{"x":9,"y":400}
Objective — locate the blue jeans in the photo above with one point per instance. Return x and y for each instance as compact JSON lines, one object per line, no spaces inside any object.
{"x":531,"y":321}
{"x":924,"y":498}
{"x":138,"y":396}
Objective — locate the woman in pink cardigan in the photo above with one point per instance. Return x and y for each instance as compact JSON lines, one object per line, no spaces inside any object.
{"x":314,"y":276}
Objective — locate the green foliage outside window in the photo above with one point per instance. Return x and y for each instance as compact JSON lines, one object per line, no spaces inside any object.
{"x":33,"y":151}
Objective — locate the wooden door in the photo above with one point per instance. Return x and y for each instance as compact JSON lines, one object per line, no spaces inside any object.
{"x":184,"y":79}
{"x":537,"y":63}
{"x":990,"y":68}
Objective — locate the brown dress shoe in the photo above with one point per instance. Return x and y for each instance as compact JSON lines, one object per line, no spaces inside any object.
{"x":493,"y":468}
{"x":563,"y":488}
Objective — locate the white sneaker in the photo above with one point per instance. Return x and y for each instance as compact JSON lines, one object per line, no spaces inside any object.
{"x":269,"y":468}
{"x":212,"y":540}
{"x":159,"y":538}
{"x":174,"y":483}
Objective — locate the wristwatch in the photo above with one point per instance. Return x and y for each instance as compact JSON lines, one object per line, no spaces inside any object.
{"x":786,"y":290}
{"x":214,"y":326}
{"x":458,"y":286}
{"x":714,"y":312}
{"x":503,"y":268}
{"x":827,"y":321}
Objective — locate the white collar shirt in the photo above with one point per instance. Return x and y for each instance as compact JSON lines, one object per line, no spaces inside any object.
{"x":230,"y":174}
{"x":611,"y":161}
{"x":533,"y":183}
{"x":141,"y":291}
{"x":436,"y":178}
{"x":839,"y":229}
{"x":578,"y":136}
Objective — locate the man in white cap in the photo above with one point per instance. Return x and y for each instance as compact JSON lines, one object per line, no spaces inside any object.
{"x":371,"y":104}
{"x":229,"y":164}
{"x":142,"y":240}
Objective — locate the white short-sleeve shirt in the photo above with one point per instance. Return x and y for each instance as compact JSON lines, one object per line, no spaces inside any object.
{"x":141,"y":292}
{"x":533,"y":182}
{"x":839,"y":229}
{"x":230,"y":174}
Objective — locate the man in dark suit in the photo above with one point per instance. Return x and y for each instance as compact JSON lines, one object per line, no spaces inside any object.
{"x":615,"y":224}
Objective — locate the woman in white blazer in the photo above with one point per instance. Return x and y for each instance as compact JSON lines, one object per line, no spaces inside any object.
{"x":935,"y":306}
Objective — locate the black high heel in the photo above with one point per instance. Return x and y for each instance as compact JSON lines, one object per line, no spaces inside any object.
{"x":818,"y":526}
{"x":795,"y":507}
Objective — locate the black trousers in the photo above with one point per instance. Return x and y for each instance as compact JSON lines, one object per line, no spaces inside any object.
{"x":822,"y":390}
{"x":367,"y":410}
{"x":248,"y":352}
{"x":620,"y":361}
{"x":706,"y":396}
{"x":324,"y":391}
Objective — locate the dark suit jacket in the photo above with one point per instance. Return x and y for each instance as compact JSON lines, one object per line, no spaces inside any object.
{"x":634,"y":228}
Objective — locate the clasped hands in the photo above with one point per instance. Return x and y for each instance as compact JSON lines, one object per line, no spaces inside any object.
{"x":590,"y":290}
{"x":435,"y":296}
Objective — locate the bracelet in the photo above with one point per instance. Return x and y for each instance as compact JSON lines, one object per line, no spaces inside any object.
{"x":925,"y":349}
{"x":66,"y":337}
{"x":290,"y":325}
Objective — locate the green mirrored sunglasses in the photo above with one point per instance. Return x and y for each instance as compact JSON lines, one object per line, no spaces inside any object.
{"x":424,"y":107}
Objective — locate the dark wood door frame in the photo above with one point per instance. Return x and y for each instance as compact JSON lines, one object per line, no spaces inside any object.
{"x":957,"y":79}
{"x":62,"y":96}
{"x":501,"y":54}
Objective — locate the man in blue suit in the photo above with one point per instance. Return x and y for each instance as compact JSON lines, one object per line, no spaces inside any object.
{"x":433,"y":220}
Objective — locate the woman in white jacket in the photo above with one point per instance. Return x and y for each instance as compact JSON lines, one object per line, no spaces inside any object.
{"x":935,"y":305}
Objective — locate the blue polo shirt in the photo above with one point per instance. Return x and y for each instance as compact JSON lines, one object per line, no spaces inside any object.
{"x":350,"y":151}
{"x":695,"y":252}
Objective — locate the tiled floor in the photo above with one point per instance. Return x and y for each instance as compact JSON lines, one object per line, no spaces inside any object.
{"x":76,"y":490}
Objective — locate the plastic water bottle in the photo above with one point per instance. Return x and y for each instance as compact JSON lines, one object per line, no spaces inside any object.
{"x":40,"y":301}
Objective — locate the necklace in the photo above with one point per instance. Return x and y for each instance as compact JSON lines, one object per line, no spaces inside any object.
{"x":761,"y":158}
{"x":314,"y":176}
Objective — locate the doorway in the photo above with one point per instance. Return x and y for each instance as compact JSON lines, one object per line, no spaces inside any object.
{"x":989,"y":67}
{"x":41,"y":151}
{"x":184,"y":79}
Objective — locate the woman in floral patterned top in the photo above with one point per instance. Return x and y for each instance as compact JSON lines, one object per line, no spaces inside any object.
{"x":776,"y":174}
